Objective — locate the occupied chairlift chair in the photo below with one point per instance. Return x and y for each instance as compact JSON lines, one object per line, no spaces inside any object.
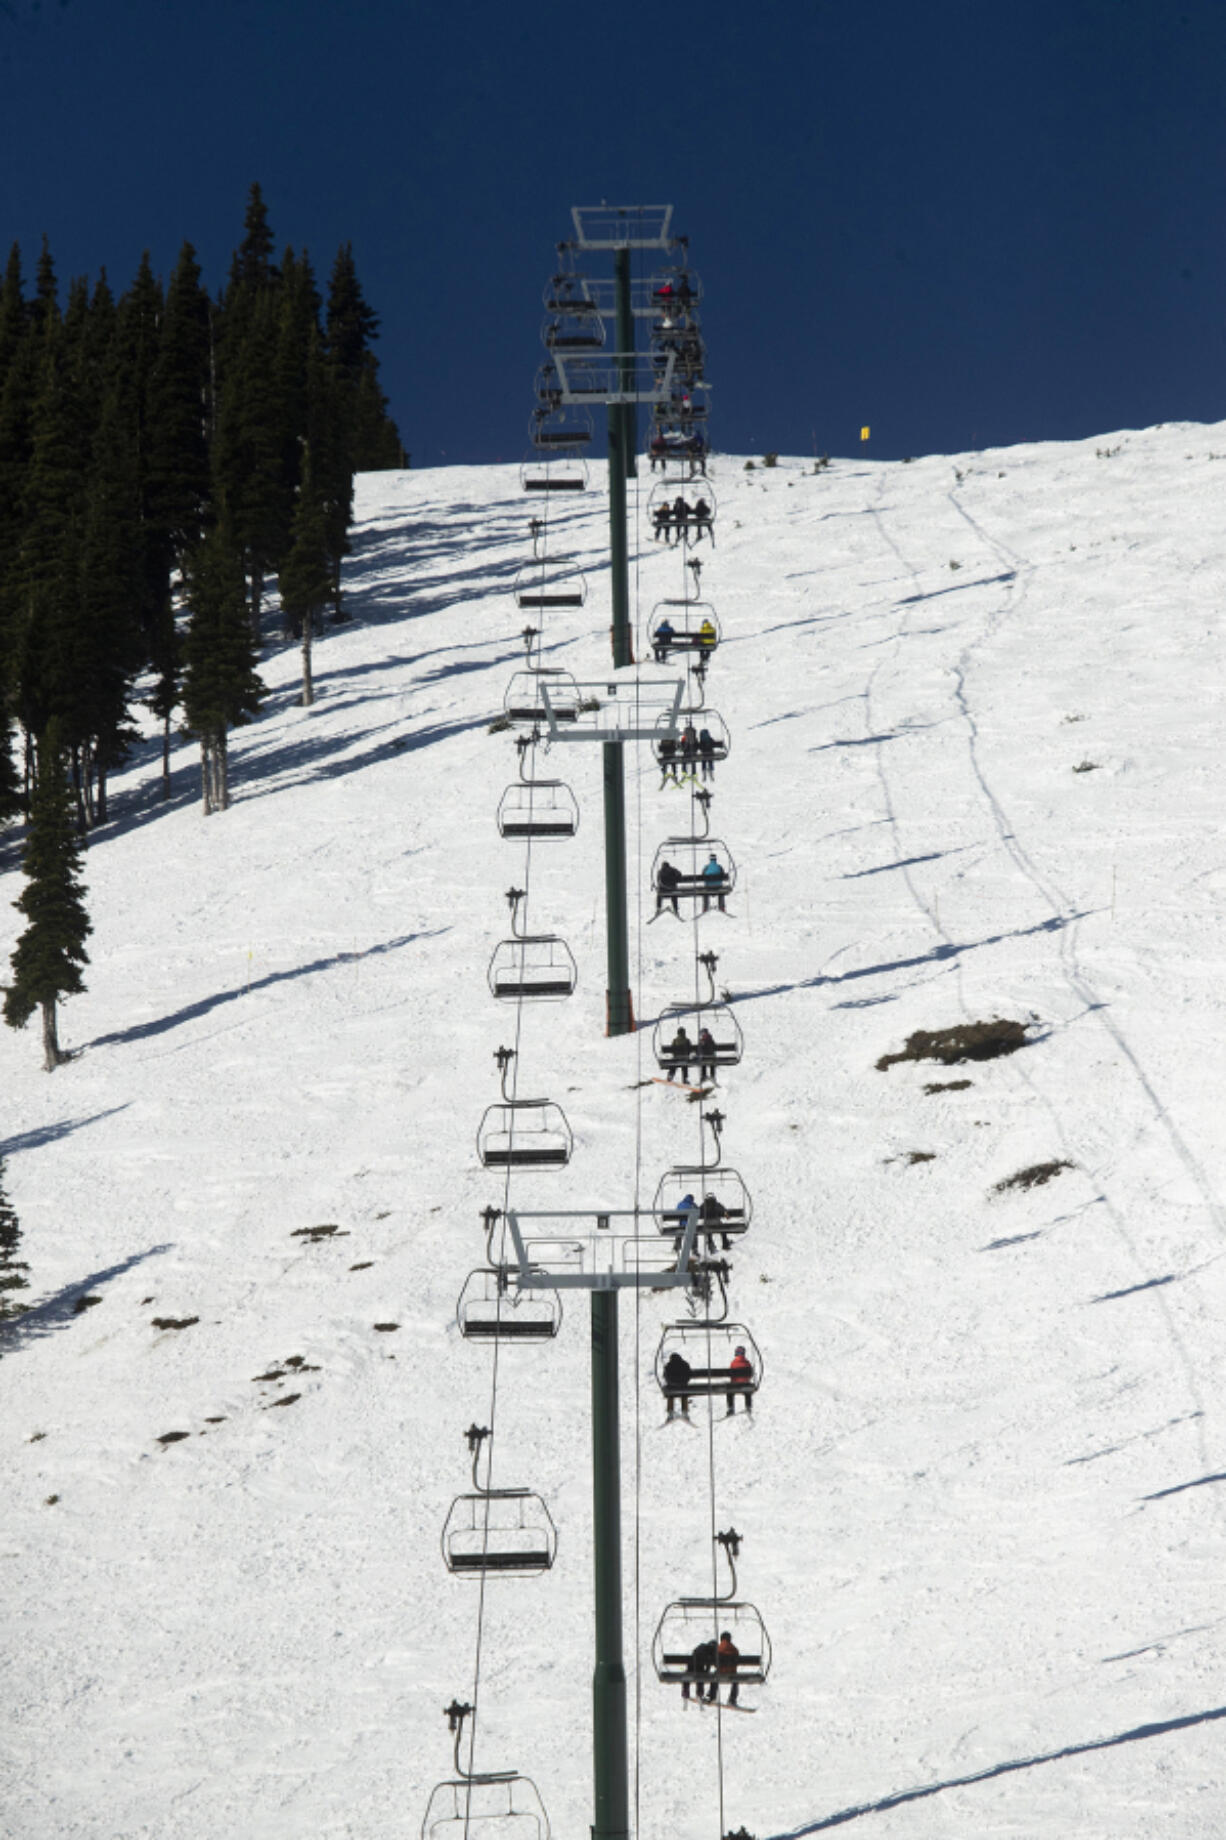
{"x":725,"y":1207}
{"x":686,"y":625}
{"x":693,"y":1018}
{"x":707,"y":1348}
{"x":694,"y":1620}
{"x":689,"y":856}
{"x":506,"y":1532}
{"x":489,"y":1805}
{"x":663,"y":498}
{"x":673,"y":753}
{"x":491,"y":1310}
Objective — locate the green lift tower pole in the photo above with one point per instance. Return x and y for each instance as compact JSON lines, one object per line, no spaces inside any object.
{"x":619,"y":1010}
{"x":609,"y":1748}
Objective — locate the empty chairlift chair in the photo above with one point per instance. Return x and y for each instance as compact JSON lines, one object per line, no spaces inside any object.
{"x":524,"y":1134}
{"x":524,"y":703}
{"x":541,"y":585}
{"x":507,"y":1532}
{"x":539,"y":966}
{"x":491,"y":1310}
{"x":495,"y":1805}
{"x":545,"y":472}
{"x":542,"y":808}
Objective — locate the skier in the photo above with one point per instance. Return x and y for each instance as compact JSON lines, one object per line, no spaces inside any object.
{"x":727,"y":1656}
{"x":668,"y":761}
{"x":679,"y":1215}
{"x":710,"y":1214}
{"x":706,"y":750}
{"x":702,"y":521}
{"x":681,"y":518}
{"x":663,"y":638}
{"x":714,"y":876}
{"x":701,"y":1663}
{"x":689,"y":748}
{"x":706,"y":1055}
{"x":677,"y":1372}
{"x":668,"y":880}
{"x":662,"y":522}
{"x":740,"y":1374}
{"x":679,"y":1053}
{"x":706,"y":636}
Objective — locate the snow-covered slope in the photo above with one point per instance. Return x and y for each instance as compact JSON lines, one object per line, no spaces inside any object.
{"x":975,"y":706}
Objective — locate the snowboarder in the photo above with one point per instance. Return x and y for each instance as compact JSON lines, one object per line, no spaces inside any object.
{"x":701,"y":1663}
{"x":740,"y":1374}
{"x":727,"y":1657}
{"x":710,"y":1215}
{"x":677,"y":1371}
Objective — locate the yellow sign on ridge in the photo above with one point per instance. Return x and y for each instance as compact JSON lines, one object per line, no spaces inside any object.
{"x":864,"y":434}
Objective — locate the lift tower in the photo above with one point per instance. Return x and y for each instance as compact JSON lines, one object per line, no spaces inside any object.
{"x":620,"y":382}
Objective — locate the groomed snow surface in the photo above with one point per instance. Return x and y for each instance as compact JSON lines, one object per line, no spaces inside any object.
{"x":976,"y":714}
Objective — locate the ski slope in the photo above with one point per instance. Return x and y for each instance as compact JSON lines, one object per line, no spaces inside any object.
{"x":975,"y":707}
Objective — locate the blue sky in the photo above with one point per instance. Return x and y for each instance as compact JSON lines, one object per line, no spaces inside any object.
{"x":964,"y":223}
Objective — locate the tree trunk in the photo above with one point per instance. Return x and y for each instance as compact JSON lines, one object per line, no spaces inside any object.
{"x":308,"y":687}
{"x":82,"y":814}
{"x":257,"y":595}
{"x":221,"y":771}
{"x":206,"y":775}
{"x":100,"y":813}
{"x":53,"y":1054}
{"x":166,"y":755}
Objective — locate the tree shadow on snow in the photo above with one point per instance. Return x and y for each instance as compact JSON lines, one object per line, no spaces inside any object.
{"x":50,"y":1133}
{"x":65,"y":1307}
{"x":1159,"y":1729}
{"x":141,"y":1031}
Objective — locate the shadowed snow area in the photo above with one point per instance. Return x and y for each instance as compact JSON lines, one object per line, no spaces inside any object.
{"x":975,"y":705}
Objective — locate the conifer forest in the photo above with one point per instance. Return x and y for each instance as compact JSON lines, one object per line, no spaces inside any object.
{"x":163,"y":455}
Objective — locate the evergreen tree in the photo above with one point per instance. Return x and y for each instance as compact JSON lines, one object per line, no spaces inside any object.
{"x":350,"y":324}
{"x":11,"y":1267}
{"x":221,"y":687}
{"x":306,"y":575}
{"x":331,"y":470}
{"x":45,"y":305}
{"x":253,"y":266}
{"x":48,"y":957}
{"x":111,"y":649}
{"x":178,"y":413}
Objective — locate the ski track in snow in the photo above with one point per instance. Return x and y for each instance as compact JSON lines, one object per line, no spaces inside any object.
{"x":981,"y":1495}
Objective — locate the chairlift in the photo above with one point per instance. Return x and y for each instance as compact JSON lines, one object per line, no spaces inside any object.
{"x":495,"y":1805}
{"x":561,"y":430}
{"x":725,"y":1207}
{"x":491,"y":1310}
{"x":508,"y":1532}
{"x":570,"y":294}
{"x":554,"y":473}
{"x":539,"y":808}
{"x":524,"y":701}
{"x":689,"y":753}
{"x":574,"y":329}
{"x":542,"y":585}
{"x":683,"y":626}
{"x":679,"y":446}
{"x":540,"y":966}
{"x":676,"y":1040}
{"x":708,"y":1350}
{"x":685,"y":870}
{"x":692,"y":1621}
{"x":676,"y":288}
{"x":524,"y":1134}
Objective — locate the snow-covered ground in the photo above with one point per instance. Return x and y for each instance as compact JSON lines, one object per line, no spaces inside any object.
{"x":975,"y":704}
